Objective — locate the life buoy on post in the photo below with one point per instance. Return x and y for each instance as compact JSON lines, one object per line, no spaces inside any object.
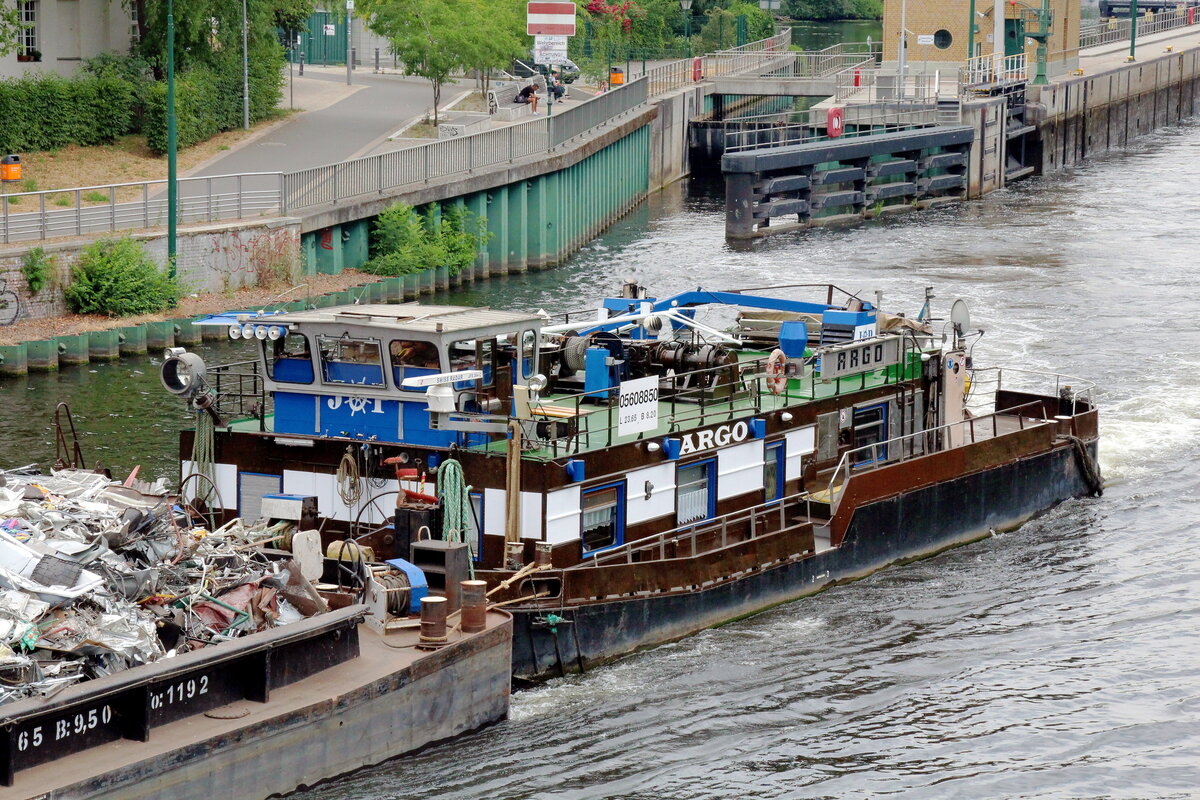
{"x":777,"y":372}
{"x":697,"y":68}
{"x":834,"y":122}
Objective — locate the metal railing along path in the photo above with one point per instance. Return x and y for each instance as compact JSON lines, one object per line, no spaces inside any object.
{"x":124,"y":206}
{"x":32,"y":216}
{"x":1113,"y":30}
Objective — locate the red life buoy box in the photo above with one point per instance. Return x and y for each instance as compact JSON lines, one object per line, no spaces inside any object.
{"x":697,"y":68}
{"x":834,"y":122}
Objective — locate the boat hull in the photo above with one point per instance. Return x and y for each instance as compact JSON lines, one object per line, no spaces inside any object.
{"x":335,"y":726}
{"x":905,"y":526}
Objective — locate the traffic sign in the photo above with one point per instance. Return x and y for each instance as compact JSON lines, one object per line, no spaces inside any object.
{"x":549,"y":50}
{"x":549,"y":17}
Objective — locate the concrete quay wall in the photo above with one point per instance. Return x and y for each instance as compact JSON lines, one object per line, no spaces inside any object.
{"x":1082,"y":116}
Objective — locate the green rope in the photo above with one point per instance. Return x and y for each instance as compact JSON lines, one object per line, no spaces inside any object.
{"x":455,"y":497}
{"x":204,"y":455}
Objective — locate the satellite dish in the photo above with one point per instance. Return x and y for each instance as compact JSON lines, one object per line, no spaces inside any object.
{"x":960,"y":316}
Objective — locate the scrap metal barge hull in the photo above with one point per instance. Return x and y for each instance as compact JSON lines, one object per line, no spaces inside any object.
{"x":905,"y":526}
{"x":383,"y":703}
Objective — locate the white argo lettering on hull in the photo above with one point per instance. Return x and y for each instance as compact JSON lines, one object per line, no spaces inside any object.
{"x":714,"y":437}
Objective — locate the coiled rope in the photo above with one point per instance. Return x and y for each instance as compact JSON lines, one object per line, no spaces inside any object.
{"x":454,"y":495}
{"x":204,"y":456}
{"x":349,"y":485}
{"x":1088,"y":466}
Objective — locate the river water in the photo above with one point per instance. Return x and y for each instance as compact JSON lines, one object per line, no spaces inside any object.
{"x":1056,"y":661}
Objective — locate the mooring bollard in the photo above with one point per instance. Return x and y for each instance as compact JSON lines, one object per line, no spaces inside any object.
{"x":474,"y":606}
{"x":433,"y":622}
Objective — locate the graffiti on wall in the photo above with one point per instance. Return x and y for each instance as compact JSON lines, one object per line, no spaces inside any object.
{"x":10,"y":304}
{"x":231,"y":259}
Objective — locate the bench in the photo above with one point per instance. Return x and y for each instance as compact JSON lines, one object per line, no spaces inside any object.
{"x":501,"y":100}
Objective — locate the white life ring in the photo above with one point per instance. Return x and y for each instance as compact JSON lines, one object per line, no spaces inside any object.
{"x":777,"y":372}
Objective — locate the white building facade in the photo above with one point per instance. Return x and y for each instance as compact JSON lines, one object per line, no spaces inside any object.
{"x":65,"y":32}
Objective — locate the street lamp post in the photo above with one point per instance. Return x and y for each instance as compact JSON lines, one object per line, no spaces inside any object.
{"x":349,"y":30}
{"x":245,"y":71}
{"x":172,"y":189}
{"x":1133,"y":15}
{"x":686,"y":7}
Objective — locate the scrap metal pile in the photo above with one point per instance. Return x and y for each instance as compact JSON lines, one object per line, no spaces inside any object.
{"x":98,"y":576}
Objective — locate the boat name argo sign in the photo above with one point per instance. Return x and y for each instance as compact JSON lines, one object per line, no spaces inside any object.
{"x":714,"y":437}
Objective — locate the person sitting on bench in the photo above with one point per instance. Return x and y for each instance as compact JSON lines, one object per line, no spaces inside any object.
{"x":555,"y":87}
{"x":528,"y":96}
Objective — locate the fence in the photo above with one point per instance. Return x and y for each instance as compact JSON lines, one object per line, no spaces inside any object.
{"x":994,"y":69}
{"x":1119,"y":30}
{"x":125,"y":206}
{"x":811,"y":126}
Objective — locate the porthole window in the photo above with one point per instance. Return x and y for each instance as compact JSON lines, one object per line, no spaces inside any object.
{"x":942,"y":39}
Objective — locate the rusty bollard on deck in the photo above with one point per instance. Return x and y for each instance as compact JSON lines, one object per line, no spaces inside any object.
{"x":474,"y":606}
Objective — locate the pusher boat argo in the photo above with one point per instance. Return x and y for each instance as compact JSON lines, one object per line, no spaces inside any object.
{"x":626,"y":476}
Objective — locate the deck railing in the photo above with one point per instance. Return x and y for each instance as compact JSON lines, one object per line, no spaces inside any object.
{"x":704,"y":397}
{"x":707,"y":535}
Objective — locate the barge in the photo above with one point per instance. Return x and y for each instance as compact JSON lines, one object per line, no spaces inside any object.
{"x":634,"y":473}
{"x":143,"y":655}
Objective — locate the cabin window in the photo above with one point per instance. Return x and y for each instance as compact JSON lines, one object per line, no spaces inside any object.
{"x":412,"y":358}
{"x":472,"y":354}
{"x":289,"y":359}
{"x":528,"y":353}
{"x":870,"y":427}
{"x":351,"y":361}
{"x":475,"y":525}
{"x":696,"y":496}
{"x":773,"y":472}
{"x":603,"y":520}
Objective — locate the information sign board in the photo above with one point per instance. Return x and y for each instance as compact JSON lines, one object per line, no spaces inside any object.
{"x":638,"y":406}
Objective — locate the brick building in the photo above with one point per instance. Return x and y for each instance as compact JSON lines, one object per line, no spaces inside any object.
{"x":937,"y":32}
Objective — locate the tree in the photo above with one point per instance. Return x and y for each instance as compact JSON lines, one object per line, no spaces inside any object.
{"x":429,"y":36}
{"x":494,"y":38}
{"x":10,"y":28}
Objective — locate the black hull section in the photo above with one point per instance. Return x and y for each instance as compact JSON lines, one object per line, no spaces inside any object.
{"x":911,"y":525}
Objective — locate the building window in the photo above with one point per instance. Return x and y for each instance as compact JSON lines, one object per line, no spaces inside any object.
{"x":603,"y":520}
{"x":870,"y":427}
{"x":942,"y":39}
{"x":773,"y":472}
{"x":696,"y":498}
{"x":134,"y":35}
{"x":28,"y":35}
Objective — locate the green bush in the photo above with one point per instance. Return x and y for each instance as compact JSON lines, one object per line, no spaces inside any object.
{"x":208,"y":100}
{"x":404,"y":241}
{"x":116,"y":278}
{"x":38,"y":269}
{"x":46,"y":111}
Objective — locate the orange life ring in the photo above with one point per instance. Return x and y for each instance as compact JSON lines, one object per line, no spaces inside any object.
{"x":777,"y":372}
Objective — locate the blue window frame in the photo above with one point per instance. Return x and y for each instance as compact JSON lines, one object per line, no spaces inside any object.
{"x":773,"y":471}
{"x":696,"y":491}
{"x":870,"y":427}
{"x":602,"y":523}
